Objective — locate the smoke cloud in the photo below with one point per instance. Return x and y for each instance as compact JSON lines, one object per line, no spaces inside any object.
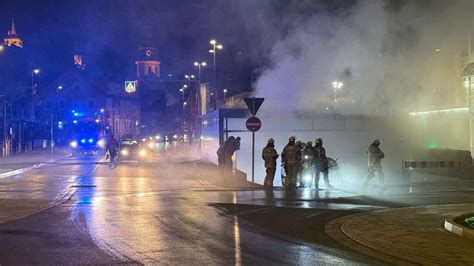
{"x":392,"y":56}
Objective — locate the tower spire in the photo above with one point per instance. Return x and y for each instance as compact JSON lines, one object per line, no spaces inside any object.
{"x":13,"y":29}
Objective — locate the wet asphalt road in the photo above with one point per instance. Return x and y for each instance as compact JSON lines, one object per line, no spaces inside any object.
{"x":169,"y":211}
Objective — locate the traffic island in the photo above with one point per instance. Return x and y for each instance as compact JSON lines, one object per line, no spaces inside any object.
{"x":406,"y":235}
{"x":462,"y":225}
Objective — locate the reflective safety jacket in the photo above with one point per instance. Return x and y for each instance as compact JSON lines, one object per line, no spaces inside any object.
{"x":375,"y":156}
{"x":270,"y":156}
{"x":291,"y":155}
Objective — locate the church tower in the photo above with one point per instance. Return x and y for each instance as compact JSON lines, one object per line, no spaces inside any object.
{"x":12,"y":39}
{"x":148,"y":65}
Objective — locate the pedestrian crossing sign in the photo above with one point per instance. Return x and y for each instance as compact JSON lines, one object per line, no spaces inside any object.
{"x":130,"y":86}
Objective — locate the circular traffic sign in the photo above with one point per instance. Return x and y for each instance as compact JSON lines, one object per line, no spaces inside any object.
{"x":253,"y":123}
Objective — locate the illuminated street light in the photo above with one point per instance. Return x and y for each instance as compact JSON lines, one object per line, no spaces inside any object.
{"x":225,"y":92}
{"x":215,"y":46}
{"x":337,"y":85}
{"x":36,"y":71}
{"x":189,"y":77}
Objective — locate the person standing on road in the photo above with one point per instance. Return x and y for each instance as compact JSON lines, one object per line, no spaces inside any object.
{"x":291,"y":160}
{"x":112,"y":146}
{"x":270,"y":156}
{"x":221,"y":152}
{"x":307,"y":164}
{"x":375,"y":156}
{"x":229,"y":151}
{"x":321,"y":163}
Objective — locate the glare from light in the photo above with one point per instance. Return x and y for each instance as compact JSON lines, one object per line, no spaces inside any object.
{"x":211,"y":51}
{"x":212,"y":42}
{"x":102,"y":110}
{"x":91,"y":140}
{"x":60,"y":87}
{"x":192,"y":76}
{"x":2,"y":48}
{"x":196,"y":63}
{"x":36,"y":71}
{"x":459,"y":109}
{"x":151,"y":145}
{"x":204,"y":64}
{"x":83,"y":140}
{"x":142,"y":153}
{"x":124,"y":152}
{"x":225,"y":90}
{"x":186,"y":76}
{"x":175,"y":136}
{"x":220,"y":46}
{"x":73,"y":144}
{"x":101,"y":143}
{"x":157,"y":137}
{"x":75,"y":121}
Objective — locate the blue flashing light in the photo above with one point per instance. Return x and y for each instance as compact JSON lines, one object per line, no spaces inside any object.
{"x":76,"y":114}
{"x":83,"y":140}
{"x":75,"y":121}
{"x":91,"y":140}
{"x":73,"y":111}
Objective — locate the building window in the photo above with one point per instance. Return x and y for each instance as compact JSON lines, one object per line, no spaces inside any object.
{"x":90,"y":104}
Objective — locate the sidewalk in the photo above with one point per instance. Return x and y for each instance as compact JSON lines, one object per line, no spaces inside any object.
{"x":20,"y":162}
{"x":406,"y":235}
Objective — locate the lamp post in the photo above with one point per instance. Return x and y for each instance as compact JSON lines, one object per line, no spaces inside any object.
{"x":225,"y":92}
{"x":199,"y":65}
{"x":189,"y":77}
{"x":336,"y":85}
{"x":34,"y":86}
{"x":215,"y":46}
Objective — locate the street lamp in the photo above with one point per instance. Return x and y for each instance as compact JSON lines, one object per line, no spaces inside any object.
{"x":189,"y":77}
{"x":213,"y":50}
{"x":336,"y":85}
{"x":199,"y":65}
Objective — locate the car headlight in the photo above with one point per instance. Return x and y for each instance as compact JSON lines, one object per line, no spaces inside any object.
{"x":124,"y":152}
{"x":142,"y":153}
{"x":101,"y":143}
{"x":157,"y":137}
{"x":73,"y":144}
{"x":151,"y":145}
{"x":306,"y":156}
{"x":175,"y":136}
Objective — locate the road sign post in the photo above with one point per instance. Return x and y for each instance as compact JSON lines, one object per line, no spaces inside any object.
{"x":253,"y":124}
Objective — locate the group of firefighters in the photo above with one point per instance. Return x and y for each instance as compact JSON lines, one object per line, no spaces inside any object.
{"x":307,"y":162}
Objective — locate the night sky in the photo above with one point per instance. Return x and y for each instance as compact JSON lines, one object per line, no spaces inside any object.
{"x":108,"y":34}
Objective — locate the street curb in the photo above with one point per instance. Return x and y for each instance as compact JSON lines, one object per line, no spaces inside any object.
{"x":376,"y":251}
{"x":29,"y":168}
{"x":458,"y":229}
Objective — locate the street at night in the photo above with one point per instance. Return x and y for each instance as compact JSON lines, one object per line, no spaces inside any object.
{"x":175,"y":210}
{"x":238,"y":132}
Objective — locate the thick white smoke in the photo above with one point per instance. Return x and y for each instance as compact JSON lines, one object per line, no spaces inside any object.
{"x":385,"y":55}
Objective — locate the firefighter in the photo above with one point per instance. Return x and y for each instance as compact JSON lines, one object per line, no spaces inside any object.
{"x":221,"y":152}
{"x":307,"y":162}
{"x":229,"y":150}
{"x":321,"y":163}
{"x":291,"y":161}
{"x":375,"y":156}
{"x":270,"y":156}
